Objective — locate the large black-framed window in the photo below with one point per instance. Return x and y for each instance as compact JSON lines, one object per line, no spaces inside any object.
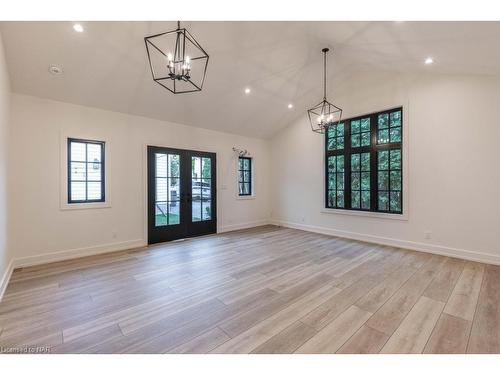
{"x":244,"y":176}
{"x":85,"y":171}
{"x":363,"y":163}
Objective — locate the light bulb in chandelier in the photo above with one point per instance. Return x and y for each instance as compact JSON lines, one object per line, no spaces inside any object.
{"x":324,"y":120}
{"x":179,"y":69}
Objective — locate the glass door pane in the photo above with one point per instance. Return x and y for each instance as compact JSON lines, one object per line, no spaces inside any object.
{"x":167,"y":183}
{"x":201,"y":186}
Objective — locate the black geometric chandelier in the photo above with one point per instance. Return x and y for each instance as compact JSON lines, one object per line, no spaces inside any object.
{"x":177,"y":61}
{"x":324,"y":114}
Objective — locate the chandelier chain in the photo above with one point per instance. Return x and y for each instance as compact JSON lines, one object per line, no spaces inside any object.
{"x":324,"y":74}
{"x":325,"y":114}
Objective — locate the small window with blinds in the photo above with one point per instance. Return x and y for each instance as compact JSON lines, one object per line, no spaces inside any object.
{"x":85,"y":171}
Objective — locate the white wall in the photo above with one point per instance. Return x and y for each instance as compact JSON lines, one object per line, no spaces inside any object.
{"x":453,"y":134}
{"x":452,"y":129}
{"x":5,"y":257}
{"x":40,"y":229}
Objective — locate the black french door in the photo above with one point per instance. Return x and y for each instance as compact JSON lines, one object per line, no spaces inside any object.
{"x":181,"y":194}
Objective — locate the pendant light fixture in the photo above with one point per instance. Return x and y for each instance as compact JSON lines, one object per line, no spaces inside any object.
{"x":177,"y":60}
{"x":324,"y":114}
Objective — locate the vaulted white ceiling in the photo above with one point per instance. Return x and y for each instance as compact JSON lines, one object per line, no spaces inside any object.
{"x":106,"y":65}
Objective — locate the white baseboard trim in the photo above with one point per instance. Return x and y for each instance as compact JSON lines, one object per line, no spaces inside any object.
{"x":246,"y":225}
{"x":77,"y":253}
{"x":417,"y":246}
{"x":5,"y":278}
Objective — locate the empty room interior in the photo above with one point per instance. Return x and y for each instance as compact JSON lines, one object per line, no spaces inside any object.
{"x":249,"y":187}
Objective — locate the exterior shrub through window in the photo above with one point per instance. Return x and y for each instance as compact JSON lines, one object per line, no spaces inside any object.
{"x":363,"y":163}
{"x":85,"y":171}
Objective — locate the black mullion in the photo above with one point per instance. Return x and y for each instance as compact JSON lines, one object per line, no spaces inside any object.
{"x":337,"y":174}
{"x":342,"y":178}
{"x":250,"y":174}
{"x":70,"y":185}
{"x":361,"y":149}
{"x":326,"y":141}
{"x":86,"y":173}
{"x":335,"y":153}
{"x":103,"y":184}
{"x":389,"y":146}
{"x":201,"y":187}
{"x":242,"y":182}
{"x":168,"y":191}
{"x":392,"y":147}
{"x":373,"y":164}
{"x":401,"y":164}
{"x":327,"y":175}
{"x":389,"y":179}
{"x":156,"y":186}
{"x":347,"y":165}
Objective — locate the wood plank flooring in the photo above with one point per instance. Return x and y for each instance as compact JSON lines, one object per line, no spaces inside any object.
{"x":261,"y":290}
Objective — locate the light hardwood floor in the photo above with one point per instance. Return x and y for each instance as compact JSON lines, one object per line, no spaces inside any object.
{"x":262,"y":290}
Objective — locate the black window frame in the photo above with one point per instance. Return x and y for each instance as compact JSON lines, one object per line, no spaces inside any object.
{"x":86,"y":181}
{"x":241,"y":172}
{"x":373,"y":149}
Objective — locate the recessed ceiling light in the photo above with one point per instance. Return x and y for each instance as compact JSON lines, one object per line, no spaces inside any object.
{"x":247,"y":91}
{"x":78,"y":28}
{"x":55,"y":70}
{"x":290,"y":106}
{"x":429,"y":60}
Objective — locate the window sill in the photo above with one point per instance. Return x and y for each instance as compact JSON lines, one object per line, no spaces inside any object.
{"x":245,"y":197}
{"x":84,"y":206}
{"x":375,"y":215}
